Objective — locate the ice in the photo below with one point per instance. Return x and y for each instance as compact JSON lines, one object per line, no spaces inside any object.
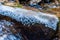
{"x":29,"y":17}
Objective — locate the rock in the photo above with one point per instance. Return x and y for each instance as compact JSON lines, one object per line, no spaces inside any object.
{"x":11,"y":4}
{"x":34,"y":2}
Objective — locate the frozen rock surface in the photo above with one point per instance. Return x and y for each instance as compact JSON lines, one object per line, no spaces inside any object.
{"x":28,"y":17}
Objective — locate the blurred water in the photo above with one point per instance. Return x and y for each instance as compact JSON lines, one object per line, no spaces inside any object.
{"x":28,"y":17}
{"x":6,"y":33}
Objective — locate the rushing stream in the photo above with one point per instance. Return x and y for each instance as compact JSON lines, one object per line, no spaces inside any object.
{"x":6,"y":32}
{"x":27,"y":17}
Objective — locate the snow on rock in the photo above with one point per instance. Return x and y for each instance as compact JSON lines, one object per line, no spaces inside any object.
{"x":28,"y":17}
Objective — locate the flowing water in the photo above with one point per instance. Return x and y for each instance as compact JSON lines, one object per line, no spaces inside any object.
{"x":26,"y":17}
{"x":5,"y":31}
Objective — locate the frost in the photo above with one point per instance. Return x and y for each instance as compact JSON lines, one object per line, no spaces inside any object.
{"x":28,"y":17}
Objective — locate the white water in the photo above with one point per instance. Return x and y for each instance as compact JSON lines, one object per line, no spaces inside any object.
{"x":34,"y":2}
{"x":6,"y":33}
{"x":28,"y":17}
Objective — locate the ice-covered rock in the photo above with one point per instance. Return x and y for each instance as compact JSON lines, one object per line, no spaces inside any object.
{"x":28,"y":17}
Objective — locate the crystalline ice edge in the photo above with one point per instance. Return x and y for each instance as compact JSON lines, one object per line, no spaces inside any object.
{"x":28,"y":17}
